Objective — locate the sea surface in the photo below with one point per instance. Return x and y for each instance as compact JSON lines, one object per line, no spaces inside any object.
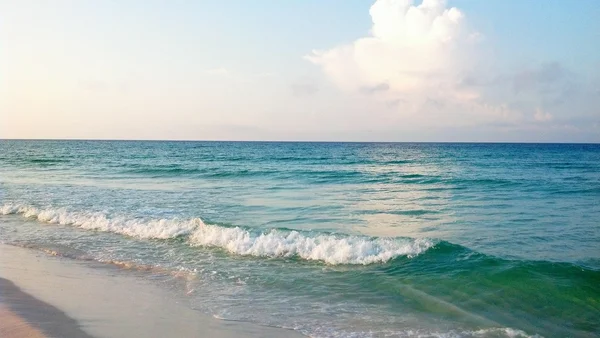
{"x":329,"y":239}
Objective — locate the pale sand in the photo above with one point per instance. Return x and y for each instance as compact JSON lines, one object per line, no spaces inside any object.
{"x":88,"y":301}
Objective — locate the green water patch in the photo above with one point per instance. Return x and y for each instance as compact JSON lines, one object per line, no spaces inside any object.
{"x":548,"y":298}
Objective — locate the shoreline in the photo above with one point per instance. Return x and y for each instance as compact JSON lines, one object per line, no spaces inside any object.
{"x":49,"y":296}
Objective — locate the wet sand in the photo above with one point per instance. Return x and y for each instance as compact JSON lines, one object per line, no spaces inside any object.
{"x":46,"y":296}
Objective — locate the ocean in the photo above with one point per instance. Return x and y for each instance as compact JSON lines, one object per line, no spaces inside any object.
{"x":329,"y":239}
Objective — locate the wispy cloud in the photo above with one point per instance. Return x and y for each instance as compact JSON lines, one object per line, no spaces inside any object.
{"x":533,"y":78}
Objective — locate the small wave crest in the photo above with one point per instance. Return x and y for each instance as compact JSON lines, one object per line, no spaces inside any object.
{"x":144,"y":229}
{"x":499,"y":332}
{"x":332,"y":249}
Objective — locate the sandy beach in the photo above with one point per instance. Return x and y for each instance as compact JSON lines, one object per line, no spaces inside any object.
{"x":46,"y":296}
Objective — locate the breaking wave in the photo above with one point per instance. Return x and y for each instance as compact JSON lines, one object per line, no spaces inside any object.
{"x":328,"y":248}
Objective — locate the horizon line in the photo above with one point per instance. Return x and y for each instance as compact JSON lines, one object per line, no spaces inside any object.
{"x":289,"y":141}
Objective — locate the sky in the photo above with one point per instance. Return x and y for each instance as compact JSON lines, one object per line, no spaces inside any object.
{"x":309,"y":70}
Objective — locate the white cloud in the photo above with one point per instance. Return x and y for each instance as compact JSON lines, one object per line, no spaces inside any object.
{"x":419,"y":53}
{"x":422,"y":67}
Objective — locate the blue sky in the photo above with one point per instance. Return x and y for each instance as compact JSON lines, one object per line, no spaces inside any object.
{"x":391,"y":70}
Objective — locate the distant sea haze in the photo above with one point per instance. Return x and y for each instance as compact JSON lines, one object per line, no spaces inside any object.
{"x":330,"y":239}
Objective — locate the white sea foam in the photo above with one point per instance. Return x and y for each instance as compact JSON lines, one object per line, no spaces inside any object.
{"x":331,"y":249}
{"x":501,"y":332}
{"x":327,"y":248}
{"x":160,"y":229}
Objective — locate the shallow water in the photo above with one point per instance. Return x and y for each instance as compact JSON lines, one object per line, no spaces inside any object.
{"x":331,"y":239}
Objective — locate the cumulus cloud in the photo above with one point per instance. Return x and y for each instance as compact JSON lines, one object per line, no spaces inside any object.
{"x":422,"y":61}
{"x":414,"y":52}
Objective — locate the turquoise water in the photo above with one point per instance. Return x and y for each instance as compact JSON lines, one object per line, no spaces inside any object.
{"x":330,"y":239}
